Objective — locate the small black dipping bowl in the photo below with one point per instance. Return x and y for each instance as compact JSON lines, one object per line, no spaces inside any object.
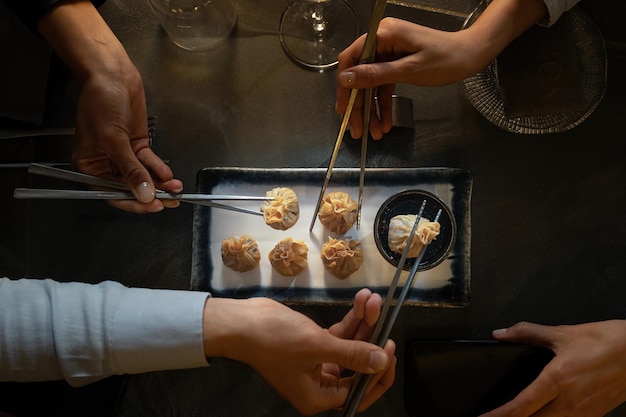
{"x":410,"y":202}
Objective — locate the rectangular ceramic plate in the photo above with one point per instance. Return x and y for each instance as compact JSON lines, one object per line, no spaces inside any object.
{"x":447,"y":284}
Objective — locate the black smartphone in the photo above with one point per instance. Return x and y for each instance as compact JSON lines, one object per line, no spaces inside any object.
{"x":465,"y":378}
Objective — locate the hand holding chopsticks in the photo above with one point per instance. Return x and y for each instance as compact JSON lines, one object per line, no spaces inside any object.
{"x":367,"y":55}
{"x":122,"y":192}
{"x":387,"y":319}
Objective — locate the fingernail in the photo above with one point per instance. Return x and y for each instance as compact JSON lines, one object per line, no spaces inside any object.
{"x":347,"y":78}
{"x":498,"y":332}
{"x":378,"y":360}
{"x":145,"y":192}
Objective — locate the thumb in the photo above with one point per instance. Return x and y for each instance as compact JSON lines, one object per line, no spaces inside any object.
{"x":530,"y":333}
{"x":139,"y":181}
{"x":135,"y":175}
{"x":357,"y":356}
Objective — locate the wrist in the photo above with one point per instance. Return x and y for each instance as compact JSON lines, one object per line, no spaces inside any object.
{"x":79,"y":35}
{"x":221,"y":327}
{"x":244,"y":329}
{"x":501,"y":23}
{"x":475,"y":54}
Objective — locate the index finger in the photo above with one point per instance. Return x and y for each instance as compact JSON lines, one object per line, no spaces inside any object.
{"x":348,"y":58}
{"x":162,"y":174}
{"x":531,"y":333}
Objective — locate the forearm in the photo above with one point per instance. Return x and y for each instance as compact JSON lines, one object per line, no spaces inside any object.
{"x":501,"y":23}
{"x":83,"y":333}
{"x":79,"y":35}
{"x":30,"y":11}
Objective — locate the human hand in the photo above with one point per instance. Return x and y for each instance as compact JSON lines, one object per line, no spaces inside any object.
{"x":359,"y":324}
{"x":415,"y":54}
{"x":112,"y":140}
{"x":405,"y":53}
{"x":586,"y":378}
{"x":111,"y":123}
{"x":294,"y":355}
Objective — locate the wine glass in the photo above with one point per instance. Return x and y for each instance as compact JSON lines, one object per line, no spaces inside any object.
{"x":196,"y":25}
{"x":314,"y":32}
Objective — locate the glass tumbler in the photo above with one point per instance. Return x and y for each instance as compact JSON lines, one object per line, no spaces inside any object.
{"x":196,"y":25}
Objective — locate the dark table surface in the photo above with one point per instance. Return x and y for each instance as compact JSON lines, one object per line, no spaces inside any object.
{"x":546,"y":210}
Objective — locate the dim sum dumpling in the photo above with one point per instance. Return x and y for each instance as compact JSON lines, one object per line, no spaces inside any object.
{"x":342,"y":257}
{"x":282,"y":212}
{"x":289,"y":257}
{"x":338,"y":212}
{"x":240,"y":253}
{"x":400,"y":228}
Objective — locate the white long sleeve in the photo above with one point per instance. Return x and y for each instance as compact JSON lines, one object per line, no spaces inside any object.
{"x":556,"y":8}
{"x":82,"y":333}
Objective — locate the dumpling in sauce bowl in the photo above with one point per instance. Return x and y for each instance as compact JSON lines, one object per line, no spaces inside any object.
{"x":400,"y":228}
{"x":240,"y":253}
{"x":342,"y":257}
{"x":282,"y":212}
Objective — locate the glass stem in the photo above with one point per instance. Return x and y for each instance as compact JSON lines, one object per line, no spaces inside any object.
{"x":319,"y":22}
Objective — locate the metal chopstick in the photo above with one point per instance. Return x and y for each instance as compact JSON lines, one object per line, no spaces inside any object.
{"x":74,"y":176}
{"x":49,"y":171}
{"x":366,"y":122}
{"x":350,"y":407}
{"x":394,"y":282}
{"x":333,"y":157}
{"x":34,"y":193}
{"x":384,"y":335}
{"x":225,"y":207}
{"x":385,"y":323}
{"x":366,"y":55}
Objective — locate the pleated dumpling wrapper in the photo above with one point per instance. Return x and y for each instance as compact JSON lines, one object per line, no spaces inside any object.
{"x":289,"y":257}
{"x":282,"y":212}
{"x":400,"y":228}
{"x":342,"y":257}
{"x":338,"y":212}
{"x":240,"y":253}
